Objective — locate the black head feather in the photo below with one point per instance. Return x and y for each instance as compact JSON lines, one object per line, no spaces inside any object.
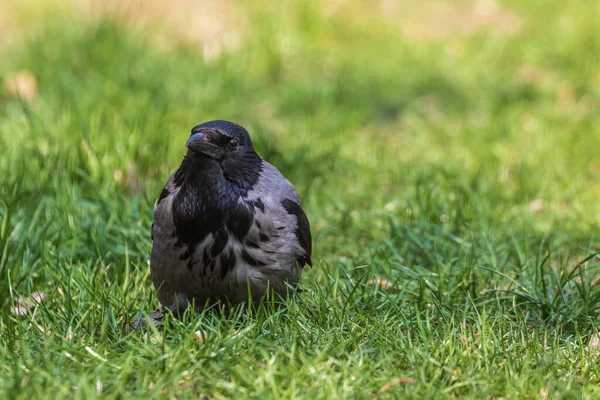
{"x":227,"y":128}
{"x":231,"y":147}
{"x":212,"y":184}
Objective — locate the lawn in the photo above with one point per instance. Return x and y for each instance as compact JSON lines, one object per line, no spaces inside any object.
{"x":446,"y":153}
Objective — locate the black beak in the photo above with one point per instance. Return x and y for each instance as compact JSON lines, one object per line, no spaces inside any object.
{"x":200,"y":143}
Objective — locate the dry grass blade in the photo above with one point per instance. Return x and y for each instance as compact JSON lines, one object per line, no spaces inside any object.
{"x":394,"y":382}
{"x":201,"y":336}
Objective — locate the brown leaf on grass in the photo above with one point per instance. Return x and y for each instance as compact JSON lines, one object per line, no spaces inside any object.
{"x":382,"y":283}
{"x":394,"y":382}
{"x":19,"y":310}
{"x":38,"y":297}
{"x":594,"y":344}
{"x":201,"y":336}
{"x":21,"y":84}
{"x":455,"y":374}
{"x":23,"y":306}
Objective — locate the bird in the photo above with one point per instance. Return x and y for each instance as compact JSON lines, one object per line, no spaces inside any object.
{"x":227,"y":227}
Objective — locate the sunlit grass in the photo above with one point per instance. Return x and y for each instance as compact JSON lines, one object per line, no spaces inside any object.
{"x":451,"y":181}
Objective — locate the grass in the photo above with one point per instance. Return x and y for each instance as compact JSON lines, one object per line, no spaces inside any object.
{"x":451,"y":181}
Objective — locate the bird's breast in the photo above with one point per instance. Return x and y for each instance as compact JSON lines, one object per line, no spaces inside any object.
{"x":252,"y":245}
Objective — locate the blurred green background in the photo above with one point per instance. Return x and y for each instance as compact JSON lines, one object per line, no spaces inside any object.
{"x":446,"y":153}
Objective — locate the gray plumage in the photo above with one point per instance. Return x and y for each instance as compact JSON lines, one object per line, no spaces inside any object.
{"x":227,"y":224}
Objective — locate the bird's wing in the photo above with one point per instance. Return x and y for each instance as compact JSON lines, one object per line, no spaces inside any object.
{"x":290,"y":201}
{"x":302,"y":229}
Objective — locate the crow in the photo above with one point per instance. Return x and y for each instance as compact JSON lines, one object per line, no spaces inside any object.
{"x":228,"y":226}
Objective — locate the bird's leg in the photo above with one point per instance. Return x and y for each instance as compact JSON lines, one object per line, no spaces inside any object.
{"x":177,"y":308}
{"x":158,"y":315}
{"x":180,"y":304}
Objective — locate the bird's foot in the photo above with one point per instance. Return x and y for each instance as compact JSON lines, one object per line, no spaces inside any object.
{"x":156,"y":317}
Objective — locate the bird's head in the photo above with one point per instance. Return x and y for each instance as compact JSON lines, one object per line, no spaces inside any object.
{"x":228,"y":148}
{"x":220,"y":141}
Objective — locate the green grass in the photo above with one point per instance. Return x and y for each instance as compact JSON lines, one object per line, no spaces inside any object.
{"x":462,"y":171}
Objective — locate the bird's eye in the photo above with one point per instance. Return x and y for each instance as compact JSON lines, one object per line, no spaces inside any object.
{"x":234,"y":143}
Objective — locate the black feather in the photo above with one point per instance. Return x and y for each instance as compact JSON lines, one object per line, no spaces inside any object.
{"x":227,"y":262}
{"x":302,"y":229}
{"x":251,"y":260}
{"x":258,"y":204}
{"x":199,"y":206}
{"x":220,"y":241}
{"x":185,"y":255}
{"x":238,"y":220}
{"x":251,"y":243}
{"x":164,"y":193}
